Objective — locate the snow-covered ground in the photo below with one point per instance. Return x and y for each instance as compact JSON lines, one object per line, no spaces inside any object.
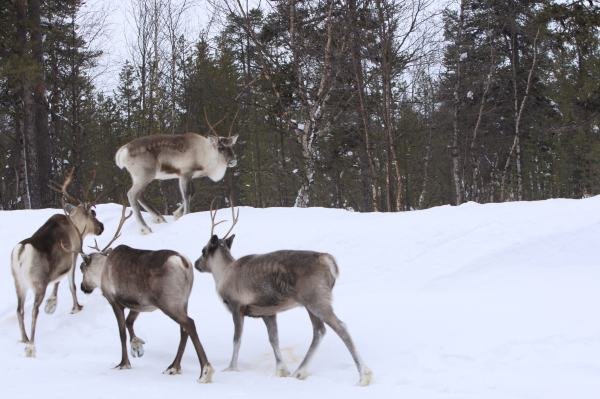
{"x":477,"y":301}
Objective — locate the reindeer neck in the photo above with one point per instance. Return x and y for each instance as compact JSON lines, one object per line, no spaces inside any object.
{"x":221,"y":265}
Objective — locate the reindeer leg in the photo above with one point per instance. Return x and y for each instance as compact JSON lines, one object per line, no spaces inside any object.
{"x":134,"y":194}
{"x":187,"y":323}
{"x":318,"y":331}
{"x":21,"y":296}
{"x":119,"y":314}
{"x":175,"y":366}
{"x":157,"y":217}
{"x":326,"y":314}
{"x":51,"y":302}
{"x":137,"y":344}
{"x":271,"y":323}
{"x":39,"y":297}
{"x":238,"y":324}
{"x":76,"y":306}
{"x":184,"y":185}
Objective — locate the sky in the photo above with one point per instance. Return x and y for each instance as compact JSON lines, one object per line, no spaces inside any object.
{"x":109,"y":27}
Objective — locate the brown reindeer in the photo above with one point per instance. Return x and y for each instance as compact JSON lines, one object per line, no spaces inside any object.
{"x":144,"y":281}
{"x":165,"y":157}
{"x":47,"y":256}
{"x":264,"y":285}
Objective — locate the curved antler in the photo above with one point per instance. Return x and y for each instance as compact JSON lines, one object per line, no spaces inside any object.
{"x":233,"y":122}
{"x":213,"y":215}
{"x":212,"y":127}
{"x":117,"y":233}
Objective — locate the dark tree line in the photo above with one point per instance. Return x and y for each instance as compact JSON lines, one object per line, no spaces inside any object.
{"x":341,"y":103}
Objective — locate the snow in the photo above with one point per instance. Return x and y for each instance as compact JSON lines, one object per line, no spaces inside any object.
{"x":476,"y":301}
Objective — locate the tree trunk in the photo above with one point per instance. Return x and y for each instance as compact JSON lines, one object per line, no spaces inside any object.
{"x":30,"y":151}
{"x":360,"y":89}
{"x":454,"y":150}
{"x":40,"y":105}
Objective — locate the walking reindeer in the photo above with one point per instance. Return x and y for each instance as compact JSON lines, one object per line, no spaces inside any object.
{"x":143,"y":281}
{"x":264,"y":285}
{"x":46,"y":257}
{"x":166,"y":157}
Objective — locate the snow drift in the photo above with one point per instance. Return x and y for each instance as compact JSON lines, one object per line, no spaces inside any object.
{"x":477,"y":301}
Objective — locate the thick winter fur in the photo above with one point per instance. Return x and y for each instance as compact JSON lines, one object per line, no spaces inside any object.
{"x":143,"y":281}
{"x":45,"y":258}
{"x":264,"y":285}
{"x":165,"y":157}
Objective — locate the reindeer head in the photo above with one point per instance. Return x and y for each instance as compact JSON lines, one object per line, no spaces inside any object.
{"x":217,"y":251}
{"x":81,"y":216}
{"x":84,"y":218}
{"x":224,"y":144}
{"x":93,"y":264}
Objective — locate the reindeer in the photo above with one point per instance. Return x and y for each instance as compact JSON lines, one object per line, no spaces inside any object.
{"x":264,"y":285}
{"x":46,"y":257}
{"x":144,"y":281}
{"x":183,"y":157}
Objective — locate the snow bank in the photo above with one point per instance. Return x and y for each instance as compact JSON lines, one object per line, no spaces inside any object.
{"x":477,"y":301}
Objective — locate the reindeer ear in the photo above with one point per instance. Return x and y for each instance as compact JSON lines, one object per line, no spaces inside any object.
{"x":229,"y":241}
{"x":233,"y":139}
{"x":214,"y":241}
{"x":69,"y":208}
{"x":108,"y":251}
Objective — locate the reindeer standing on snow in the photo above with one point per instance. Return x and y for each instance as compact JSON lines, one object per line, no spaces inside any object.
{"x":143,"y":281}
{"x":166,"y":157}
{"x":264,"y":285}
{"x":47,"y":256}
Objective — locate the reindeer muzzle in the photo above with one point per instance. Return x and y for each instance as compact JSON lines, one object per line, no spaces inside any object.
{"x":85,"y":289}
{"x":99,"y":228}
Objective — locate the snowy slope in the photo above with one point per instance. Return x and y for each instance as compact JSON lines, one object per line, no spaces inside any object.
{"x":477,"y":301}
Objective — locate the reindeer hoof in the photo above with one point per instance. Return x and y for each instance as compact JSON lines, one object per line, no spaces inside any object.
{"x":178,"y":213}
{"x":76,"y":309}
{"x":282,"y":371}
{"x":50,"y":305}
{"x":123,"y":366}
{"x":231,"y":368}
{"x":172,"y":370}
{"x":300,"y":374}
{"x":207,"y":373}
{"x":30,"y":350}
{"x":137,"y":347}
{"x":366,"y":376}
{"x":145,"y":230}
{"x":159,"y":220}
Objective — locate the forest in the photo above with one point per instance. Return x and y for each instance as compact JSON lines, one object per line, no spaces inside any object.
{"x":367,"y":105}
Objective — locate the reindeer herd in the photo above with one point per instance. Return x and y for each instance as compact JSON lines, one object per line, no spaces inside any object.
{"x":259,"y":286}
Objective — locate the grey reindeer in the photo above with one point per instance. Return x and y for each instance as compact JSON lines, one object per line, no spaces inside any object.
{"x":165,"y":157}
{"x":143,"y":281}
{"x":264,"y":285}
{"x":47,"y":256}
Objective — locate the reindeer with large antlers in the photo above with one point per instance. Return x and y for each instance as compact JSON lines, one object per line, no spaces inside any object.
{"x":48,"y":255}
{"x":166,"y":157}
{"x":264,"y":285}
{"x":143,"y":281}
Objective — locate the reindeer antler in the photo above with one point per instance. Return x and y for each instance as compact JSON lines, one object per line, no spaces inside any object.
{"x":233,"y":122}
{"x":212,"y":127}
{"x":62,"y":188}
{"x":234,"y":217}
{"x":117,"y":233}
{"x":65,"y":194}
{"x":213,"y":215}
